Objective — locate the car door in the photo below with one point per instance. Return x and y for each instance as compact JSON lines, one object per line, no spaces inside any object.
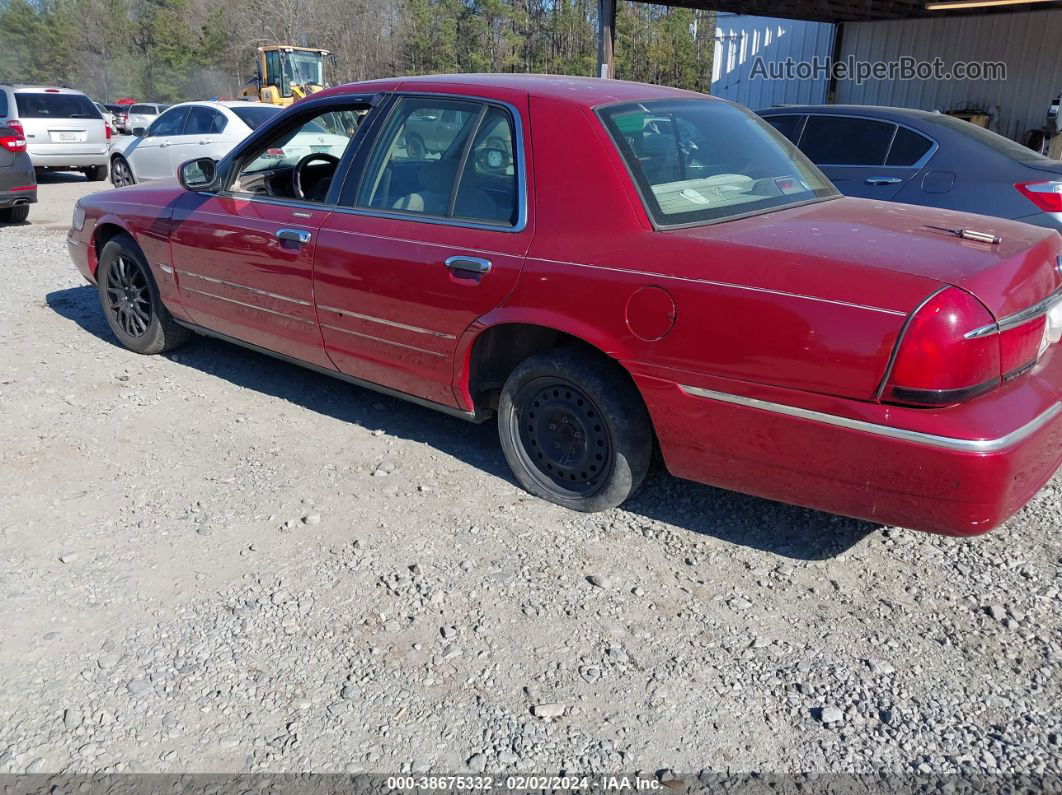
{"x":854,"y":153}
{"x":204,"y":135}
{"x":150,"y":158}
{"x":422,"y":244}
{"x":243,"y":256}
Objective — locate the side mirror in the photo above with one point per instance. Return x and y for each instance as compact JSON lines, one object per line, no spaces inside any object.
{"x":139,"y":132}
{"x":200,"y":174}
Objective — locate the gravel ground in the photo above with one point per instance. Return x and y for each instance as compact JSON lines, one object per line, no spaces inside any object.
{"x":214,"y":561}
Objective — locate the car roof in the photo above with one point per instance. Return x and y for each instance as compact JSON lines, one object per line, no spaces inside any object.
{"x":41,"y":89}
{"x":883,"y":111}
{"x":211,"y":103}
{"x":585,"y":91}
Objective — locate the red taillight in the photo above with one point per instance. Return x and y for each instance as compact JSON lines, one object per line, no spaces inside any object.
{"x":1046,"y":195}
{"x":107,"y":130}
{"x":1019,"y":347}
{"x":16,"y":125}
{"x":13,"y":143}
{"x":938,"y":363}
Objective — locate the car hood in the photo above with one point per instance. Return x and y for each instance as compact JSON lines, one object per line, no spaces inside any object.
{"x":1007,"y":277}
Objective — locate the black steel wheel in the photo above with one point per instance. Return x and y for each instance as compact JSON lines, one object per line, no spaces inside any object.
{"x":574,"y":429}
{"x":564,"y":439}
{"x":121,"y":174}
{"x":130,"y":300}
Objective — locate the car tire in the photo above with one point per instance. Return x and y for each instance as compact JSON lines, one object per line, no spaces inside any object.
{"x":415,"y":148}
{"x":574,"y":429}
{"x":130,"y":300}
{"x":14,"y":215}
{"x":121,"y":173}
{"x":95,"y":173}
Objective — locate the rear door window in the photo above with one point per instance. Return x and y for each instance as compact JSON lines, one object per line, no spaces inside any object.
{"x":908,"y":147}
{"x":33,"y":105}
{"x":846,"y":141}
{"x":204,"y":121}
{"x":3,"y":102}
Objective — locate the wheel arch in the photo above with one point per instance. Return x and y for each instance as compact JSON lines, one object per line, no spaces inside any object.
{"x":492,"y":348}
{"x":128,"y":164}
{"x":106,"y":230}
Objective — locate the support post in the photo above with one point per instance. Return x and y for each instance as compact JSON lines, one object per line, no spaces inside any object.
{"x":606,"y":37}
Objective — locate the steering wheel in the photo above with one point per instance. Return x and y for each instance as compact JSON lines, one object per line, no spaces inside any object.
{"x":300,"y":168}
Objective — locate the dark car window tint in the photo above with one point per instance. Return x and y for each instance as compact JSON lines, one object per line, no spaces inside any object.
{"x":255,"y":117}
{"x":844,"y":141}
{"x":908,"y":147}
{"x":56,"y":106}
{"x":169,"y":123}
{"x":148,"y":109}
{"x":789,"y":126}
{"x":203,"y":121}
{"x":487,"y":190}
{"x":414,"y":166}
{"x":3,"y":103}
{"x":994,"y":141}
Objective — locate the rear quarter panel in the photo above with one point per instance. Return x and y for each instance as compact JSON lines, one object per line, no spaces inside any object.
{"x":720,"y":308}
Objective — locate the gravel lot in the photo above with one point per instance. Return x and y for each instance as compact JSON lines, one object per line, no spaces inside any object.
{"x":214,"y":561}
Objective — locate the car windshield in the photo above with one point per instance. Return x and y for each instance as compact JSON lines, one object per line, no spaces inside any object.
{"x":698,"y":161}
{"x":255,"y":117}
{"x":32,"y":105}
{"x":994,"y":141}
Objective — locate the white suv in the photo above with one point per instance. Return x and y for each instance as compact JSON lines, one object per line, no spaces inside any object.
{"x":63,"y":128}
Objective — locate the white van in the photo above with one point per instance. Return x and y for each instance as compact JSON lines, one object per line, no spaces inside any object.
{"x":64,"y":130}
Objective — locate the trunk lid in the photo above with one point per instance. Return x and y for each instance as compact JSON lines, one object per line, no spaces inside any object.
{"x":1006,"y":277}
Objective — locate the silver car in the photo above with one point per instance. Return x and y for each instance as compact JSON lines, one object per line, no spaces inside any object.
{"x":142,"y":114}
{"x":63,"y":129}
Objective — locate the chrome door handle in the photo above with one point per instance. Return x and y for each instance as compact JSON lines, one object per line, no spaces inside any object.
{"x":476,"y":265}
{"x":163,"y":144}
{"x":204,"y":140}
{"x":300,"y":236}
{"x":882,"y":180}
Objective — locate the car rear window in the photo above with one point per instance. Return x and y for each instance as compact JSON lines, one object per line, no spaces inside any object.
{"x":700,"y":161}
{"x":150,"y":110}
{"x":33,"y":105}
{"x":994,"y":141}
{"x":255,"y":117}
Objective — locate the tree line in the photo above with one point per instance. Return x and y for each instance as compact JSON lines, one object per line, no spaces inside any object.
{"x":172,"y":50}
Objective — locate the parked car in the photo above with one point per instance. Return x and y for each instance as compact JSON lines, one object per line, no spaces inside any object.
{"x":206,"y":129}
{"x":64,"y":131}
{"x":108,"y":117}
{"x":919,"y":157}
{"x":18,"y":184}
{"x":650,"y":267}
{"x":141,"y":115}
{"x":121,"y":114}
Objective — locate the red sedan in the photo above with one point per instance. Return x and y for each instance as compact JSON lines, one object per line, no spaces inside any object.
{"x":607,"y":267}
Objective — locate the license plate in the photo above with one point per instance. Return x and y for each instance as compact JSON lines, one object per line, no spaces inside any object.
{"x":68,"y":136}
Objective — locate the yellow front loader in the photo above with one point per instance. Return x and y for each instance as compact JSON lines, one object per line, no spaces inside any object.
{"x":286,"y":74}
